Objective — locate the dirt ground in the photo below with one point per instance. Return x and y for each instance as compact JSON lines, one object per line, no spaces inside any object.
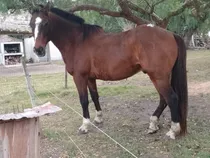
{"x":127,"y":106}
{"x":40,"y":68}
{"x":126,"y":119}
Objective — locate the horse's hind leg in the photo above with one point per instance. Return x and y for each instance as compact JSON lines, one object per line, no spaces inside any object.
{"x":164,"y":88}
{"x":154,"y":126}
{"x":95,"y":97}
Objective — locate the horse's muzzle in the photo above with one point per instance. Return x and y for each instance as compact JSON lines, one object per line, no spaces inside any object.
{"x":39,"y":51}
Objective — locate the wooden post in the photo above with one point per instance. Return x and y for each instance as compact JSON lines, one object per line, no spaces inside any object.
{"x":66,"y":78}
{"x":48,"y":53}
{"x":27,"y":77}
{"x":193,"y":42}
{"x":20,"y":138}
{"x":20,"y":133}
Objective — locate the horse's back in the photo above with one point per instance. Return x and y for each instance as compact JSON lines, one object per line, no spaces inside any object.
{"x":120,"y":55}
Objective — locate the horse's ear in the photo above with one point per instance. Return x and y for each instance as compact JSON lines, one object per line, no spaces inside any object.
{"x":45,"y":9}
{"x":31,"y":10}
{"x":35,"y":8}
{"x":49,"y":5}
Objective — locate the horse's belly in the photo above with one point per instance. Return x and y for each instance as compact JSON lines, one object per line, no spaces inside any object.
{"x":118,"y":73}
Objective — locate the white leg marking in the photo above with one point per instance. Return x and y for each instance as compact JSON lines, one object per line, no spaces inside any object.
{"x":85,"y":125}
{"x":174,"y":131}
{"x":98,"y":119}
{"x":153,"y":125}
{"x":36,"y":30}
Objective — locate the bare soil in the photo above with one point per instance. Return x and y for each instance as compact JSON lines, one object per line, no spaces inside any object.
{"x":40,"y":68}
{"x":127,"y":106}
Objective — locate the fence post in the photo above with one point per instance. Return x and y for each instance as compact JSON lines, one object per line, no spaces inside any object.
{"x":20,"y":132}
{"x":66,"y":78}
{"x":27,"y":77}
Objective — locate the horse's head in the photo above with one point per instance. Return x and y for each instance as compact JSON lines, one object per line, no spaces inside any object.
{"x":40,"y":28}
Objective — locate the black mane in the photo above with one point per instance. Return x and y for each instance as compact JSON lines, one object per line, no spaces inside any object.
{"x":68,"y":16}
{"x":88,"y":29}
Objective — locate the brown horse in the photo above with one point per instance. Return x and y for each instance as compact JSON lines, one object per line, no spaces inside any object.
{"x":89,"y":54}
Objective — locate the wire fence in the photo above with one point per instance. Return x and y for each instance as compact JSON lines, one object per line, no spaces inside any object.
{"x":60,"y":130}
{"x":16,"y":95}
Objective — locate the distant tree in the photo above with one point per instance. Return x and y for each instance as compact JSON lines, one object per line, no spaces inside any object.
{"x":181,"y":16}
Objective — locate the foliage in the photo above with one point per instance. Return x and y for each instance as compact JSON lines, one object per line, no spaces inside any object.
{"x":110,"y":24}
{"x":189,"y":19}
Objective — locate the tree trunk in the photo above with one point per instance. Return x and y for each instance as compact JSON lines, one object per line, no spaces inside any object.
{"x":188,"y":36}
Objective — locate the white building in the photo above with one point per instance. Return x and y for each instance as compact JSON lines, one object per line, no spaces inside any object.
{"x":12,"y":48}
{"x":52,"y":53}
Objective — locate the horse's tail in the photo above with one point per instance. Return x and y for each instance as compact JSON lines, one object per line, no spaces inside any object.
{"x":179,"y":82}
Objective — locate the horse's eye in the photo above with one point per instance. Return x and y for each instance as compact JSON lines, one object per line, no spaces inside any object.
{"x":45,"y":23}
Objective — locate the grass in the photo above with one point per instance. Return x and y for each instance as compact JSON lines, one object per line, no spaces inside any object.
{"x":127,"y":106}
{"x":198,"y":66}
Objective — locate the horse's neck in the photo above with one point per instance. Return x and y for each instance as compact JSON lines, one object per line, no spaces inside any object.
{"x":64,"y":36}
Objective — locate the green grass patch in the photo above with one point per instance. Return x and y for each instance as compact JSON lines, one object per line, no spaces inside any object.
{"x":198,"y":66}
{"x":123,"y":125}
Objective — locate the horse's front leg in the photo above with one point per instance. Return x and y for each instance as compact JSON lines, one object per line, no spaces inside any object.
{"x":81,"y":84}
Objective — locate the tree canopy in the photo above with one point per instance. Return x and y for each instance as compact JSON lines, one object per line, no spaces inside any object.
{"x":181,"y":16}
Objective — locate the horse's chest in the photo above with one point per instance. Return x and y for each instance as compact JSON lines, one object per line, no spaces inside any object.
{"x":69,"y":69}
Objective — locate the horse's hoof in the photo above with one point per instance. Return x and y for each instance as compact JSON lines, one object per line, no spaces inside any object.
{"x":152,"y":131}
{"x":98,"y":124}
{"x":153,"y":125}
{"x":83,"y":129}
{"x":171,"y":134}
{"x":98,"y":120}
{"x":174,"y":131}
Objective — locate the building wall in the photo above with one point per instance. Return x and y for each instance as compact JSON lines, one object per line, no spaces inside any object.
{"x":53,"y":54}
{"x":29,"y":45}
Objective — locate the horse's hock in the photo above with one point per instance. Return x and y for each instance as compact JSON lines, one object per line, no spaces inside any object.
{"x":20,"y":133}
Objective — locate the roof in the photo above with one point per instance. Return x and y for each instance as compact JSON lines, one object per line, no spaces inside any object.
{"x":6,"y":38}
{"x":15,"y":23}
{"x":38,"y":111}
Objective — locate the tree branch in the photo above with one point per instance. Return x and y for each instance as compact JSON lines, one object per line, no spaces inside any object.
{"x":108,"y":12}
{"x":154,"y":5}
{"x":128,"y":14}
{"x":142,"y":11}
{"x":100,"y":10}
{"x":127,"y":7}
{"x":178,"y":11}
{"x":123,"y":5}
{"x":207,"y":6}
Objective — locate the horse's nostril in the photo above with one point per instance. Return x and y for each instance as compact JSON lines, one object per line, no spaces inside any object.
{"x":41,"y":49}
